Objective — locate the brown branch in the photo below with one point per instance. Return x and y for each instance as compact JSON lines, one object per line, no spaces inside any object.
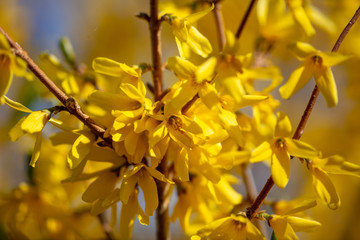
{"x":106,"y":227}
{"x":219,"y":25}
{"x":245,"y":18}
{"x":162,"y":212}
{"x":69,"y":102}
{"x":154,"y":25}
{"x":251,"y":211}
{"x":346,"y":30}
{"x":249,"y":182}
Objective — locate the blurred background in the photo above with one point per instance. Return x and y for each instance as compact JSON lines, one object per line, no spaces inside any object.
{"x":110,"y":29}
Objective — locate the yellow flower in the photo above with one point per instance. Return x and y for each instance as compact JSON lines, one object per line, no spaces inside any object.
{"x":323,"y":187}
{"x":9,"y":65}
{"x":31,"y":124}
{"x":275,"y":23}
{"x":297,"y":10}
{"x":315,"y":64}
{"x":285,"y":226}
{"x":129,"y":211}
{"x":143,"y":176}
{"x":233,"y":79}
{"x":233,"y":227}
{"x":179,"y":128}
{"x":198,"y":195}
{"x":60,"y":75}
{"x":187,"y":35}
{"x":194,"y":80}
{"x":280,"y":148}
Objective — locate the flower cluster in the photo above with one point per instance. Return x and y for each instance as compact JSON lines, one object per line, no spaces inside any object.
{"x":196,"y":137}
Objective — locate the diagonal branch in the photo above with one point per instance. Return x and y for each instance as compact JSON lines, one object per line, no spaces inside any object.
{"x":251,"y":211}
{"x":69,"y":102}
{"x":245,"y":18}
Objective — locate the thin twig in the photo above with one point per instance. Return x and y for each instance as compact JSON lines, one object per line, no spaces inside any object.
{"x":251,"y":211}
{"x":245,"y":18}
{"x":69,"y":102}
{"x":250,"y":186}
{"x":106,"y":227}
{"x":154,"y":25}
{"x":220,"y":26}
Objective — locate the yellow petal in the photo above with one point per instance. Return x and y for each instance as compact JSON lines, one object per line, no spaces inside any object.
{"x":111,"y":101}
{"x":101,"y":205}
{"x":325,"y":189}
{"x":183,"y":94}
{"x":297,"y":9}
{"x":283,"y":126}
{"x":36,"y":152}
{"x":261,"y":153}
{"x":127,"y":216}
{"x":229,"y":159}
{"x":148,"y":186}
{"x":179,"y":29}
{"x":35,"y":121}
{"x":101,"y":187}
{"x":182,"y":67}
{"x":80,"y":150}
{"x":130,"y":142}
{"x":304,"y":205}
{"x":206,"y":70}
{"x":158,"y":175}
{"x":300,"y":149}
{"x":197,"y":16}
{"x":225,"y":193}
{"x":112,"y":68}
{"x":302,"y":50}
{"x":16,"y":132}
{"x":132,"y":92}
{"x":282,"y":229}
{"x":157,"y":134}
{"x":327,"y":86}
{"x":208,"y":95}
{"x":198,"y":42}
{"x":321,"y":20}
{"x":297,"y":80}
{"x":6,"y":74}
{"x":253,"y":233}
{"x":16,"y":105}
{"x":127,"y":188}
{"x":337,"y":165}
{"x":280,"y":168}
{"x":302,"y":224}
{"x":331,"y":59}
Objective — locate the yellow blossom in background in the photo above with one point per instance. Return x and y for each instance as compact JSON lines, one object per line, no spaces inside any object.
{"x":187,"y":35}
{"x":232,"y":227}
{"x":9,"y":65}
{"x":323,"y":186}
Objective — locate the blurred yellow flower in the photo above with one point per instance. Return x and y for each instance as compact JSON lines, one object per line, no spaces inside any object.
{"x":232,"y":227}
{"x":9,"y":65}
{"x":323,"y":186}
